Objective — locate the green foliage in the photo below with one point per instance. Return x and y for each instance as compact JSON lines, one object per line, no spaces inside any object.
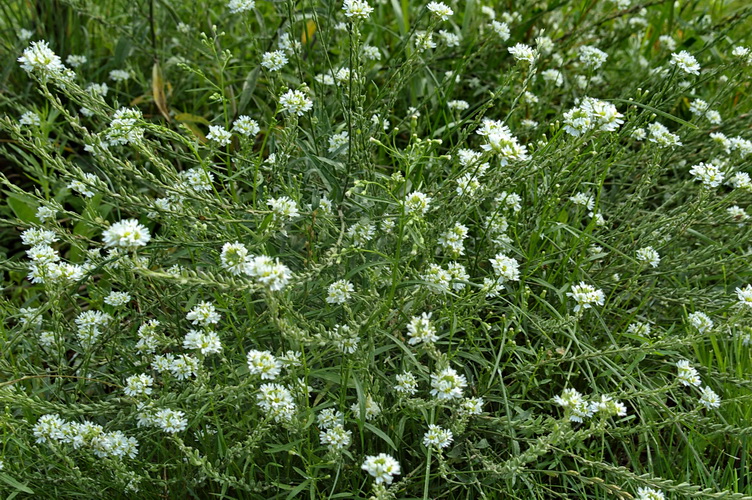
{"x":533,"y":255}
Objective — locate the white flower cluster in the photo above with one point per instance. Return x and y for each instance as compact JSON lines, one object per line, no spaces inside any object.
{"x":277,"y":402}
{"x":127,"y":234}
{"x":421,"y":330}
{"x":407,"y":384}
{"x":45,"y":265}
{"x":592,"y":114}
{"x":700,"y":321}
{"x":339,"y":292}
{"x":417,"y":203}
{"x":89,"y":327}
{"x":447,"y":384}
{"x":437,"y":437}
{"x":283,"y":207}
{"x":500,"y":141}
{"x":125,"y":128}
{"x":333,"y":433}
{"x":453,"y":239}
{"x":708,"y":173}
{"x":264,"y":364}
{"x":207,"y":342}
{"x":444,"y":280}
{"x":578,"y":408}
{"x":592,"y":57}
{"x":170,"y":421}
{"x":38,"y":58}
{"x":238,"y":6}
{"x":698,"y":107}
{"x":219,"y":135}
{"x":649,"y":255}
{"x":204,"y":314}
{"x":586,"y":295}
{"x":148,"y":337}
{"x":686,"y":62}
{"x":688,"y":376}
{"x":182,"y":366}
{"x":246,"y":126}
{"x":265,"y":270}
{"x":295,"y":102}
{"x":382,"y":467}
{"x":114,"y":444}
{"x":136,"y":385}
{"x":659,"y":134}
{"x":372,"y":409}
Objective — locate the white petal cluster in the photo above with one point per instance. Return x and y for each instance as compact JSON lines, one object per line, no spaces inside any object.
{"x":127,"y":234}
{"x":382,"y":467}
{"x":295,"y":102}
{"x":586,"y":296}
{"x":421,"y":330}
{"x":339,"y":292}
{"x":592,"y":114}
{"x":263,"y":363}
{"x":437,"y":437}
{"x":447,"y":384}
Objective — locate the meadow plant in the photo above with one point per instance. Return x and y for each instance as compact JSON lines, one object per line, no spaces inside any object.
{"x":370,"y":249}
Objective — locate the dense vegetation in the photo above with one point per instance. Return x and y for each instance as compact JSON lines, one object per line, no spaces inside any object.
{"x":312,"y":249}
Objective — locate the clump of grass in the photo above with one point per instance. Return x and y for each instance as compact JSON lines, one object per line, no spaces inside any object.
{"x":381,"y":250}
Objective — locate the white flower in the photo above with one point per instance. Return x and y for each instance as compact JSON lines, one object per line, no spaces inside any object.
{"x":119,"y":75}
{"x":660,"y":135}
{"x":372,"y":408}
{"x":269,"y":272}
{"x":745,"y":295}
{"x":737,"y":213}
{"x":649,"y":255}
{"x":295,"y":102}
{"x":447,"y":384}
{"x":117,"y":299}
{"x":440,"y":10}
{"x":274,"y":61}
{"x":506,"y":268}
{"x":38,"y":236}
{"x":127,"y":234}
{"x":245,"y":126}
{"x":450,"y":39}
{"x":458,"y":105}
{"x":136,"y":385}
{"x":184,"y":366}
{"x":575,"y":404}
{"x":417,"y":202}
{"x":336,"y":438}
{"x":686,"y":62}
{"x":206,"y":342}
{"x":686,"y":374}
{"x":424,"y":41}
{"x":700,"y":321}
{"x":238,"y":6}
{"x":437,"y":436}
{"x":406,"y":384}
{"x":170,"y":421}
{"x":357,"y":9}
{"x":284,"y":207}
{"x":522,"y":52}
{"x":420,"y":329}
{"x":592,"y":57}
{"x":45,"y":213}
{"x":707,"y":173}
{"x":709,"y":399}
{"x":339,"y":292}
{"x":339,"y":143}
{"x":277,"y":401}
{"x":124,"y":127}
{"x":608,"y":407}
{"x":203,"y":314}
{"x":501,"y":29}
{"x":382,"y":467}
{"x":30,"y":118}
{"x":649,"y":494}
{"x":586,"y":295}
{"x":330,"y":417}
{"x":39,"y":58}
{"x":219,"y":135}
{"x":235,"y":258}
{"x":471,"y":406}
{"x":263,"y":363}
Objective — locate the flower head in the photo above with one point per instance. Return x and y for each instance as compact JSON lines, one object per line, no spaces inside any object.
{"x":382,"y":467}
{"x":127,"y":234}
{"x":295,"y":102}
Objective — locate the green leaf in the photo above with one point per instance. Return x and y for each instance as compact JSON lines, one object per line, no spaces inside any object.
{"x":382,"y":435}
{"x":656,"y":111}
{"x":15,"y":484}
